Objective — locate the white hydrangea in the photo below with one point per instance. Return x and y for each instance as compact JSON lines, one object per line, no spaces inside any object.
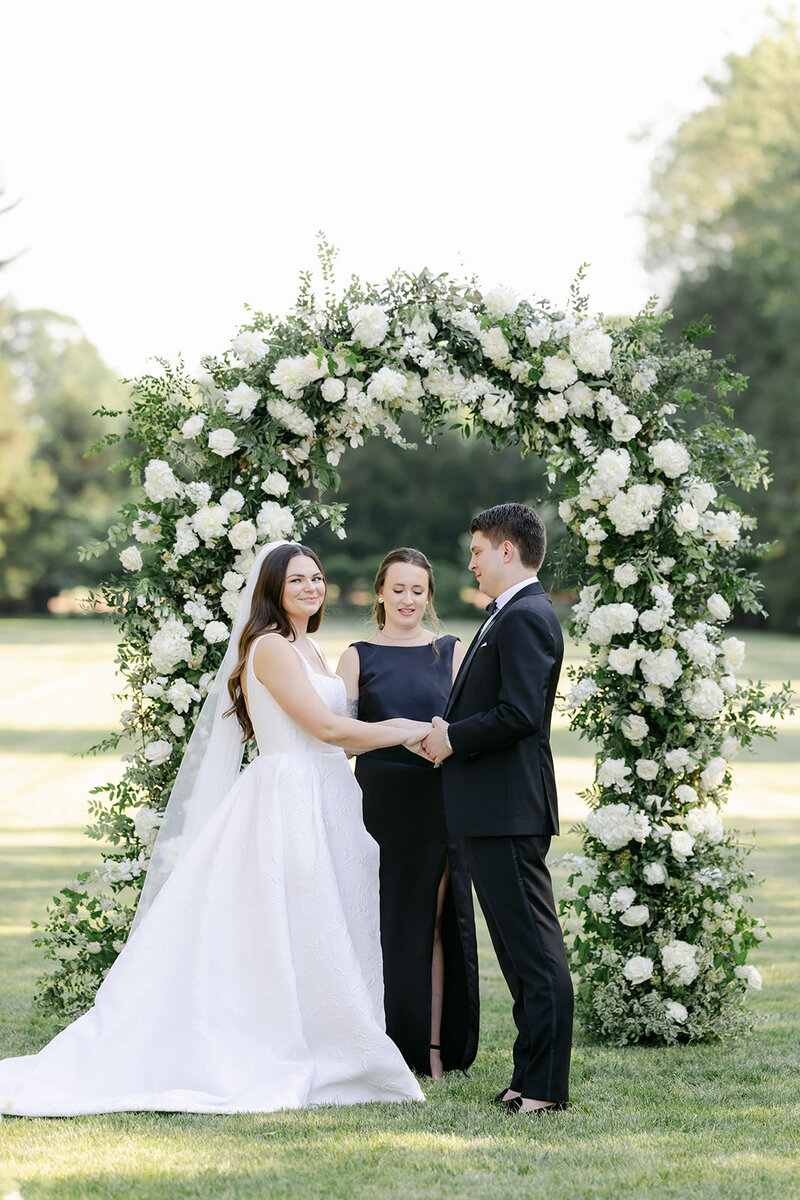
{"x":705,"y":822}
{"x":661,"y":667}
{"x":617,"y":824}
{"x":590,"y":349}
{"x":249,"y":347}
{"x":559,"y":372}
{"x":159,"y":482}
{"x":638,"y":969}
{"x":370,"y":325}
{"x":681,"y":844}
{"x":679,"y":959}
{"x":243,"y":535}
{"x":654,"y":873}
{"x":635,"y":510}
{"x":186,"y":539}
{"x":670,"y":457}
{"x":750,"y":975}
{"x":500,"y":301}
{"x":170,"y":645}
{"x":222,"y":442}
{"x":198,"y":612}
{"x":608,"y":620}
{"x":696,"y":644}
{"x":199,"y":493}
{"x":274,"y":521}
{"x":241,"y":402}
{"x":704,"y":699}
{"x":131,"y":558}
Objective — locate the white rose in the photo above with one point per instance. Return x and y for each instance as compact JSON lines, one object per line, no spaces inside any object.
{"x":222,"y":442}
{"x":613,"y":771}
{"x":679,"y":957}
{"x":635,"y":510}
{"x":626,"y":575}
{"x":370,"y":325}
{"x":229,"y":603}
{"x":686,"y":518}
{"x":623,"y":659}
{"x":705,"y":822}
{"x":145,"y":823}
{"x":193,"y":426}
{"x":654,"y":873}
{"x":685,"y":794}
{"x":159,"y":482}
{"x":157,"y":752}
{"x":638,"y":969}
{"x":177,"y":725}
{"x":713,"y":773}
{"x":718,"y":607}
{"x":215,"y":631}
{"x":653,"y":695}
{"x":608,"y":620}
{"x":634,"y":728}
{"x":637,"y":914}
{"x":276,"y":484}
{"x":679,"y":759}
{"x":131,"y":558}
{"x":705,"y":699}
{"x":733,"y":649}
{"x":646,"y":768}
{"x":500,"y":302}
{"x":682,"y":845}
{"x":676,"y":1012}
{"x":494,"y":345}
{"x":624,"y":427}
{"x":670,"y":457}
{"x":249,"y":347}
{"x":243,"y":535}
{"x":559,"y":372}
{"x":242,"y":401}
{"x":332,"y":390}
{"x":730,"y":747}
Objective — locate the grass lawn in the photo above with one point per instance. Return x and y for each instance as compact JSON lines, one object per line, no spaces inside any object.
{"x":720,"y":1122}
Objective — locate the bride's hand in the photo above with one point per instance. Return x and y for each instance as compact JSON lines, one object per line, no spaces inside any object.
{"x":414,"y":732}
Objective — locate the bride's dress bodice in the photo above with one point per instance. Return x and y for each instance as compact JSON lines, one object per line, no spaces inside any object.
{"x":275,"y":731}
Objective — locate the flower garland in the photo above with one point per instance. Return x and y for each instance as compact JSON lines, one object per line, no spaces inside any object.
{"x":659,"y":921}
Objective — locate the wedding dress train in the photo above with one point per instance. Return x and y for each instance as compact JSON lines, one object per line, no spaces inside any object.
{"x":254,"y":982}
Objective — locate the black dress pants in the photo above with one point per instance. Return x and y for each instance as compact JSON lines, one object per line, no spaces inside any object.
{"x":516,"y":894}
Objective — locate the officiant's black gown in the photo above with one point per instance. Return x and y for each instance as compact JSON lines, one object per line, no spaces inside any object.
{"x":403,"y":811}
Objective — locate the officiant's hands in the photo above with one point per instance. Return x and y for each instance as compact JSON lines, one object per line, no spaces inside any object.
{"x":435,"y":745}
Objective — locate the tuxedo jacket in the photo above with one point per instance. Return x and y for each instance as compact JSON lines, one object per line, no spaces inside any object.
{"x":499,"y":779}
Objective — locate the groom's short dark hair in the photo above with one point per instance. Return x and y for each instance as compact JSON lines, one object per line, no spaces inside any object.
{"x":514,"y":523}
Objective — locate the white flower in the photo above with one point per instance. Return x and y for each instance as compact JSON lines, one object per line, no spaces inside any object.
{"x":198,"y":612}
{"x":704,"y":699}
{"x":242,"y":401}
{"x":332,"y":390}
{"x":681,"y":844}
{"x":287,"y":414}
{"x":626,"y":575}
{"x":539,"y":332}
{"x":617,"y":824}
{"x":131,"y":558}
{"x":290,"y":376}
{"x":686,"y":518}
{"x":679,"y":959}
{"x":210,"y":521}
{"x":590,"y":349}
{"x":370,"y":325}
{"x":621,"y":899}
{"x":610,"y":473}
{"x":243,"y":535}
{"x":177,"y":725}
{"x":181,"y":695}
{"x":597,"y":904}
{"x":559,"y":372}
{"x":222,"y":442}
{"x":685,"y":794}
{"x":465,"y":319}
{"x":249,"y":347}
{"x":643,"y":380}
{"x":494,"y":345}
{"x":193,"y":425}
{"x":215,"y":631}
{"x":679,"y":759}
{"x":580,"y":693}
{"x":646,"y":768}
{"x":613,"y":771}
{"x":722,"y":527}
{"x":498,"y":408}
{"x":170,"y":645}
{"x":713,"y":773}
{"x":565,"y":511}
{"x":654,"y":873}
{"x":730,"y":747}
{"x":609,"y":405}
{"x":625,"y":426}
{"x":661,"y":667}
{"x":676,"y":1012}
{"x":701,"y":494}
{"x":634,"y":728}
{"x":653,"y":695}
{"x":232,"y":580}
{"x":229,"y":603}
{"x":146,"y":528}
{"x":637,"y":914}
{"x":670,"y":457}
{"x":159,"y":482}
{"x":198,"y":493}
{"x":157,"y":752}
{"x":733,"y":652}
{"x":581,"y":399}
{"x":623,"y":659}
{"x":705,"y":822}
{"x":552,"y":407}
{"x":276,"y":484}
{"x":718,"y":607}
{"x":638,"y":969}
{"x":500,"y":302}
{"x":750,"y":975}
{"x":386,"y":385}
{"x":274,"y":521}
{"x":635,"y":510}
{"x":232,"y":500}
{"x":608,"y":620}
{"x":145,"y":824}
{"x":593,"y":531}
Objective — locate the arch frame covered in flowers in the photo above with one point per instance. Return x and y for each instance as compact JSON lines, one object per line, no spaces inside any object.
{"x":632,"y":427}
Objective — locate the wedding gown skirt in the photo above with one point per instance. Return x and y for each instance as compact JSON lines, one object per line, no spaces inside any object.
{"x":254,"y":982}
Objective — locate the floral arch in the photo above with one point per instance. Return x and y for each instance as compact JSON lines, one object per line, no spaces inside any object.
{"x":658,"y":921}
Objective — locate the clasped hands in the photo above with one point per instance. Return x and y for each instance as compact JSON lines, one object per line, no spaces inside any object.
{"x":427,"y":739}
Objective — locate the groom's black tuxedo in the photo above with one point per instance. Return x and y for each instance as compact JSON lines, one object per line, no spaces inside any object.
{"x":500,"y":797}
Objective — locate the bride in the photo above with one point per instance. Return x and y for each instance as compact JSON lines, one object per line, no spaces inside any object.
{"x":252,"y":977}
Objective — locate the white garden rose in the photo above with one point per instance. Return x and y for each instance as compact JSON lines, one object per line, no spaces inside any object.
{"x":552,"y":407}
{"x":704,"y":699}
{"x":590,"y":350}
{"x":750,"y":975}
{"x":146,"y":821}
{"x":177,"y":725}
{"x":494,"y":345}
{"x":232,"y":580}
{"x":718,"y":607}
{"x":232,"y":500}
{"x":131,"y":558}
{"x":623,"y":659}
{"x":249,"y":347}
{"x":613,"y":771}
{"x":634,"y":728}
{"x":733,"y":652}
{"x":210,"y":522}
{"x":538,"y":332}
{"x":679,"y":961}
{"x":243,"y":535}
{"x":290,"y":376}
{"x":670,"y":457}
{"x":559,"y":372}
{"x":386,"y":385}
{"x":626,"y":575}
{"x":275,"y":483}
{"x":370,"y":325}
{"x":730,"y":747}
{"x":181,"y":695}
{"x":597,"y":904}
{"x":222,"y":442}
{"x":500,"y":302}
{"x":193,"y":426}
{"x":713,"y":773}
{"x":241,"y":402}
{"x":646,"y":768}
{"x":638,"y":969}
{"x":274,"y":521}
{"x":159,"y":481}
{"x":661,"y":667}
{"x":198,"y":492}
{"x":679,"y":759}
{"x":229,"y":603}
{"x":581,"y":399}
{"x":705,"y":822}
{"x":625,"y":426}
{"x":215,"y":632}
{"x":170,"y":645}
{"x":621,"y":899}
{"x":676,"y":1012}
{"x":685,"y":794}
{"x":157,"y":752}
{"x":498,"y":408}
{"x":637,"y":914}
{"x":644,"y":380}
{"x":686,"y":518}
{"x":681,"y":844}
{"x":332,"y":390}
{"x":654,"y":873}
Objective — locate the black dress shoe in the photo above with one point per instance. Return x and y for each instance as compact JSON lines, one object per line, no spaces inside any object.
{"x":515,"y":1106}
{"x":500,"y":1097}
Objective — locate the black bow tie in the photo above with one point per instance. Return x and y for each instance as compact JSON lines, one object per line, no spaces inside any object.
{"x":491,"y":608}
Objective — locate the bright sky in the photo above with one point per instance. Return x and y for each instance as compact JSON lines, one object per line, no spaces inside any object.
{"x":174,"y":158}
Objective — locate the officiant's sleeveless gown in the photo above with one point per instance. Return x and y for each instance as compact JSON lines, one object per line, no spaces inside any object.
{"x":254,"y":982}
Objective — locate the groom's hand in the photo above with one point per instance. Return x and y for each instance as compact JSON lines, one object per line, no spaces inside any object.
{"x":435,"y":744}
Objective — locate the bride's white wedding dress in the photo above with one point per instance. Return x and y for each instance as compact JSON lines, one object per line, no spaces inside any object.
{"x":254,"y":982}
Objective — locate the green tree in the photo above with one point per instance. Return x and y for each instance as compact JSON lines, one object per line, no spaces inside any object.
{"x":725,"y":212}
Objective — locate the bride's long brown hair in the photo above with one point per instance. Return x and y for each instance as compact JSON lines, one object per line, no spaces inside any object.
{"x":267,"y":614}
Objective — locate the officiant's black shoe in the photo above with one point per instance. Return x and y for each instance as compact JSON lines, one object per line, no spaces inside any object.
{"x":500,"y":1098}
{"x":515,"y":1106}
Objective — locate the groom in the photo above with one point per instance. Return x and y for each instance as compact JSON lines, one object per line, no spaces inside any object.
{"x":500,"y":793}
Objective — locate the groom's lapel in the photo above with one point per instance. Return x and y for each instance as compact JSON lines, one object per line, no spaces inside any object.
{"x":477,"y":642}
